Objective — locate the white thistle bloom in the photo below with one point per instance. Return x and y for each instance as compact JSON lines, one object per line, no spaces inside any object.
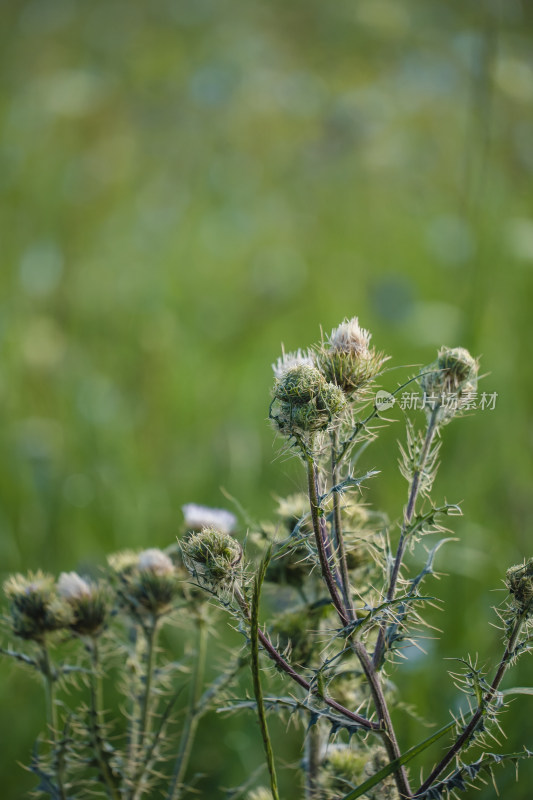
{"x":350,"y":337}
{"x":289,"y":360}
{"x":198,"y":517}
{"x":72,"y":587}
{"x":154,"y":560}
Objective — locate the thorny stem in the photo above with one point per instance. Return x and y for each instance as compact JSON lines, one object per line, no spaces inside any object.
{"x":317,"y":521}
{"x":409,"y":511}
{"x":476,"y":719}
{"x":51,"y":716}
{"x":193,"y":711}
{"x":337,"y":526}
{"x":151,"y":637}
{"x":312,"y":763}
{"x":96,"y":725}
{"x":389,"y":737}
{"x":150,"y":633}
{"x":299,"y":679}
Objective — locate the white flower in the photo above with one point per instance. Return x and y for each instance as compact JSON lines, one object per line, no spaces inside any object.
{"x":198,"y":517}
{"x":350,"y":337}
{"x":288,"y":360}
{"x":71,"y":587}
{"x":154,"y":560}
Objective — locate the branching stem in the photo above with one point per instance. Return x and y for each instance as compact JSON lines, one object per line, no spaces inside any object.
{"x":469,"y":729}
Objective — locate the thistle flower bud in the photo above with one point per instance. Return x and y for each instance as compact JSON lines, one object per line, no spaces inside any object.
{"x":35,"y":607}
{"x":212,"y":557}
{"x":150,"y":581}
{"x":305,"y":401}
{"x":347,"y":360}
{"x":289,"y":360}
{"x":198,"y":517}
{"x":448,"y":382}
{"x":87,"y":600}
{"x":519,"y":581}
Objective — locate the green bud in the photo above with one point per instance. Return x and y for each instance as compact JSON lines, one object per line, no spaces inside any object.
{"x":35,"y":607}
{"x":88,"y":602}
{"x":347,"y":360}
{"x":519,"y":581}
{"x":149,"y":581}
{"x":212,"y":557}
{"x":304,"y":401}
{"x":448,"y":381}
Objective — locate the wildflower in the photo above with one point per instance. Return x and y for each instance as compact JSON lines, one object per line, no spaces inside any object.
{"x":35,"y":607}
{"x":198,"y":517}
{"x":289,"y":360}
{"x":452,"y":376}
{"x":87,"y":600}
{"x":149,"y":580}
{"x":211,"y":556}
{"x":347,"y":360}
{"x":305,"y":401}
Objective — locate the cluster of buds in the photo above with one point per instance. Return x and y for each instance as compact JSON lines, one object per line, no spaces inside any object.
{"x":149,"y":581}
{"x":347,"y":360}
{"x":304,"y":401}
{"x":88,"y":603}
{"x":35,"y":607}
{"x":453,"y":374}
{"x":519,"y":581}
{"x":212,"y":557}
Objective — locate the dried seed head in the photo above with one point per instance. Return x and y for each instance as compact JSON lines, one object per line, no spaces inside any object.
{"x":448,"y":382}
{"x":347,"y":360}
{"x":198,"y":517}
{"x":34,"y":605}
{"x":212,"y":557}
{"x":519,"y":581}
{"x":88,"y":602}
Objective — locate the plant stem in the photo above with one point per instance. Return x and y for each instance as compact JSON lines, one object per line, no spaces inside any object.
{"x":312,"y":763}
{"x":408,"y":516}
{"x":151,"y":639}
{"x":478,"y":715}
{"x":96,"y":725}
{"x":320,"y":537}
{"x":337,"y":525}
{"x":49,"y":678}
{"x":299,"y":679}
{"x":193,"y":711}
{"x":389,"y":737}
{"x":256,"y":678}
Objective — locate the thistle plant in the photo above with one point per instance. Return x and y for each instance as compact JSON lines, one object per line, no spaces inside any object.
{"x":344,"y":593}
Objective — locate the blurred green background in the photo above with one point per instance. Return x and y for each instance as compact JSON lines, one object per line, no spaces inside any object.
{"x":185,"y":185}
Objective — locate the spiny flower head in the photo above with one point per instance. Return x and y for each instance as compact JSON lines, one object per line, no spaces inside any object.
{"x":35,"y":607}
{"x":198,"y":517}
{"x":448,"y":382}
{"x":519,"y":581}
{"x":347,"y":360}
{"x":212,"y":557}
{"x":87,"y":600}
{"x":288,"y":360}
{"x":149,"y":581}
{"x":304,"y":401}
